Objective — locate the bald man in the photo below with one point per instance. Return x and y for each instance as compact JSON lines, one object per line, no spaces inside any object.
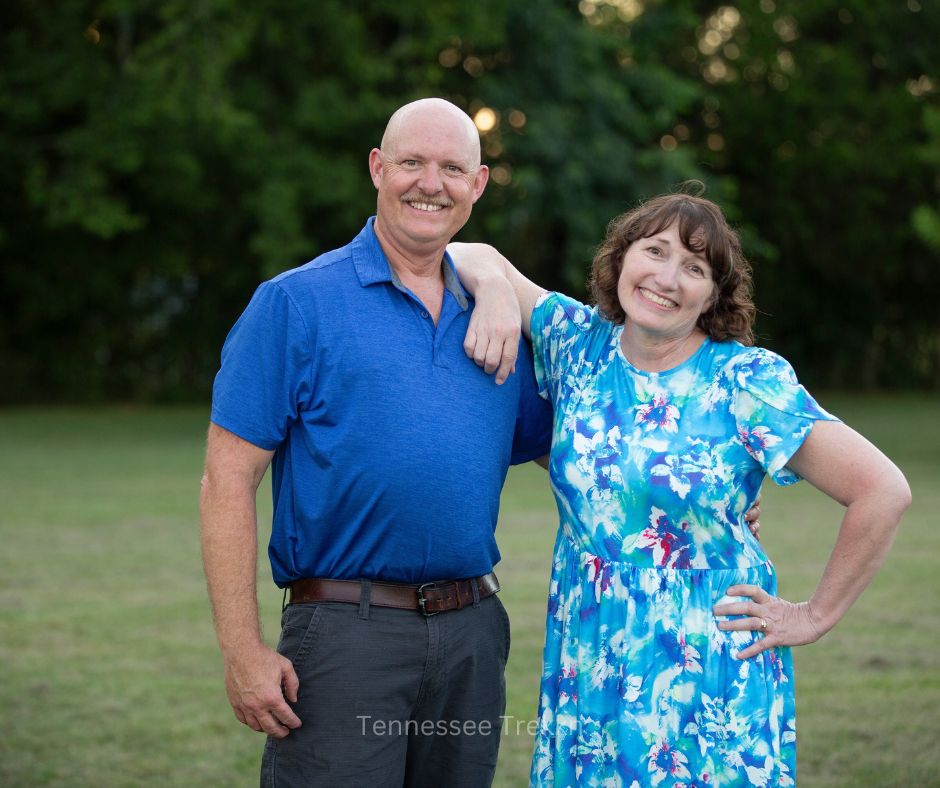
{"x":389,"y":447}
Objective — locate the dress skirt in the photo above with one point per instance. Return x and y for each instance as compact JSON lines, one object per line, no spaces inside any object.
{"x":641,"y":688}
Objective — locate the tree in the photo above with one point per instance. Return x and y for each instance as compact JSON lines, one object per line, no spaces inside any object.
{"x":161,"y":159}
{"x":814,"y":111}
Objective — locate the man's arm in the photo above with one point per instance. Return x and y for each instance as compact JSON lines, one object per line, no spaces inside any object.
{"x":254,"y":673}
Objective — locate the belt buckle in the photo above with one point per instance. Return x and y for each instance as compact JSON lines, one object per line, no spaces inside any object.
{"x":422,"y":601}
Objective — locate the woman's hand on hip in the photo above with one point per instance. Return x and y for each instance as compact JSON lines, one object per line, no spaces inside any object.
{"x":780,"y":622}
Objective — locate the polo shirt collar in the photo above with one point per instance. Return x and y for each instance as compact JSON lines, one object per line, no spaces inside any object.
{"x":452,"y":283}
{"x":372,"y":265}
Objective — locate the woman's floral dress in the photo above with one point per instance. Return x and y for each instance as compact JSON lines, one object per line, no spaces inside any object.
{"x":652,"y":474}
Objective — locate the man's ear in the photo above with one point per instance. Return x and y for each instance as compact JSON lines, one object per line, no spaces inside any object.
{"x":479,"y":181}
{"x":376,"y":166}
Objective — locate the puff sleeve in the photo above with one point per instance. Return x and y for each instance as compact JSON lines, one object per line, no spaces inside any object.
{"x":772,"y":411}
{"x":558,"y":324}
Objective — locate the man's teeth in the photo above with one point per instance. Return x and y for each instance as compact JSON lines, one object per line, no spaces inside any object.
{"x":656,"y":299}
{"x":426,"y":206}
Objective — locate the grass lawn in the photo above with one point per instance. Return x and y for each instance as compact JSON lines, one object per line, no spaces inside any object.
{"x":109,"y":673}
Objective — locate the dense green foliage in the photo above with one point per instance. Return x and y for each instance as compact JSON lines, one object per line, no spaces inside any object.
{"x":157,"y":160}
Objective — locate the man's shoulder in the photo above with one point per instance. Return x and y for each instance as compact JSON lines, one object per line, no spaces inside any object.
{"x":332,"y":264}
{"x":330,"y":269}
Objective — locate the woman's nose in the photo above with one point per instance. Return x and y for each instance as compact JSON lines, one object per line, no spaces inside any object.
{"x":667,"y":274}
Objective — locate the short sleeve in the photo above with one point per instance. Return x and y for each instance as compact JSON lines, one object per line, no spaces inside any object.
{"x":772,"y":411}
{"x":265,"y":377}
{"x":557,"y":323}
{"x":532,"y":437}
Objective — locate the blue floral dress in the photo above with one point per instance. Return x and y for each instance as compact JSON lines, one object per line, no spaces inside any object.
{"x":652,"y":474}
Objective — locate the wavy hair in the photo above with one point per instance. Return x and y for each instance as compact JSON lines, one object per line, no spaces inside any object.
{"x":704,"y":230}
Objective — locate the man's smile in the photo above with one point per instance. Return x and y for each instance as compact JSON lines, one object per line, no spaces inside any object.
{"x":421,"y":202}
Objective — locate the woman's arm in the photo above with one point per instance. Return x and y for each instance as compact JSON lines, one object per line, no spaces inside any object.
{"x":504,"y":302}
{"x":841,"y":463}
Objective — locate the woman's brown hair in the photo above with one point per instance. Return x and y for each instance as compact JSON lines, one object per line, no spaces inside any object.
{"x":704,"y":230}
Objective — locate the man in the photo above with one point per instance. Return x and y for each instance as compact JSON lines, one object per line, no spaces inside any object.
{"x":389,"y":449}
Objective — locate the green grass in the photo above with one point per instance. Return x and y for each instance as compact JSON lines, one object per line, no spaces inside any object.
{"x":109,"y":673}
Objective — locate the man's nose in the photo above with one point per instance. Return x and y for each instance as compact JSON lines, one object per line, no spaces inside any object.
{"x":430,"y":181}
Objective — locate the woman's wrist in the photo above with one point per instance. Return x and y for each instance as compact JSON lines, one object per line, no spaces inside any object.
{"x":817,"y":618}
{"x":478,"y":266}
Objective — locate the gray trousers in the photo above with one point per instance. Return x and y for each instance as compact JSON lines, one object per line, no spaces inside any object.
{"x":390,"y":698}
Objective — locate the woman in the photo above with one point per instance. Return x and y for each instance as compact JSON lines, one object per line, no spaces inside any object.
{"x":666,"y":659}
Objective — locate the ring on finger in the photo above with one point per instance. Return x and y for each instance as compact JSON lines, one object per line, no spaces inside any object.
{"x":763,"y":625}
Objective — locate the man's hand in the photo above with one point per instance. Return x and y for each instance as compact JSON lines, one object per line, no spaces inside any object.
{"x":752,"y":518}
{"x":254,"y":680}
{"x":492,"y":339}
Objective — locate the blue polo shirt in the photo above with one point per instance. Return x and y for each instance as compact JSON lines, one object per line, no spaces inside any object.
{"x":391,"y":446}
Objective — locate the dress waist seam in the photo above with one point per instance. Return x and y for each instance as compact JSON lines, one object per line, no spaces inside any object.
{"x":585,"y":557}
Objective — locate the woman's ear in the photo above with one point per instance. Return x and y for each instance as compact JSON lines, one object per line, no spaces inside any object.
{"x":712,"y":300}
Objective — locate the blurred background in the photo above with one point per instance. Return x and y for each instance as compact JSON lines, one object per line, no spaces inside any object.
{"x":159,"y":159}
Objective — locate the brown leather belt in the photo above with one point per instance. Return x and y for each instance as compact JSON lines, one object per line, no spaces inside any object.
{"x":428,"y":598}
